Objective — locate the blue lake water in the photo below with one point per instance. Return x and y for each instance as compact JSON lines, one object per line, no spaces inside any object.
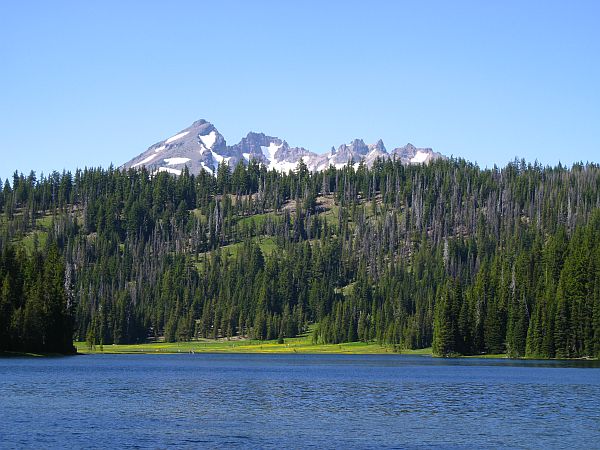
{"x":297,"y":401}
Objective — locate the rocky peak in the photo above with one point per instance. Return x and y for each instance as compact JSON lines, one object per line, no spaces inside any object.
{"x":378,"y":146}
{"x":201,"y":147}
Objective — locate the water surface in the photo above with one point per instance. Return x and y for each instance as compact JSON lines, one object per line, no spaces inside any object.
{"x":297,"y":401}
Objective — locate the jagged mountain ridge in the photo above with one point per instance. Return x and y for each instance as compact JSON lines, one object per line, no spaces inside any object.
{"x":202,"y":147}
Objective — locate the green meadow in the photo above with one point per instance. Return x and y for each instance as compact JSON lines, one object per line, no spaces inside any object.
{"x":291,"y":345}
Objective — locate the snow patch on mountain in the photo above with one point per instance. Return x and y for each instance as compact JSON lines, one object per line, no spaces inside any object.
{"x":176,"y":137}
{"x":218,"y":158}
{"x":209,"y":139}
{"x":283,"y":166}
{"x":270,"y":151}
{"x":176,"y":160}
{"x":170,"y":170}
{"x":205,"y":167}
{"x":420,"y":157}
{"x":145,"y":160}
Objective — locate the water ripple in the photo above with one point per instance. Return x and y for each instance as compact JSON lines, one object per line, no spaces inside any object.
{"x":297,"y":401}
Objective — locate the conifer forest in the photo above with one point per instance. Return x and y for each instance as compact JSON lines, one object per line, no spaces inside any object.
{"x":444,"y":255}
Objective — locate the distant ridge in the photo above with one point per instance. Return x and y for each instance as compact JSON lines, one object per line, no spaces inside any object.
{"x":201,"y":147}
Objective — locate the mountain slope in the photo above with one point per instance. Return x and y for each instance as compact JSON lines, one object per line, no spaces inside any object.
{"x":202,"y":147}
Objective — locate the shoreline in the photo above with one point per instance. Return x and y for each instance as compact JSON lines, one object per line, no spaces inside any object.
{"x":300,"y":345}
{"x":15,"y":354}
{"x":262,"y":348}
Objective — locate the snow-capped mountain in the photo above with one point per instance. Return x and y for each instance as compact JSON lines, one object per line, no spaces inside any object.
{"x":202,"y":147}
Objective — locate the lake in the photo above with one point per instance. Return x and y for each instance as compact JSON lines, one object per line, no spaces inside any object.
{"x":297,"y":401}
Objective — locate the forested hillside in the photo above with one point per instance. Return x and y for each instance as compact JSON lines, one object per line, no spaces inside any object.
{"x":35,"y":310}
{"x":446,"y":255}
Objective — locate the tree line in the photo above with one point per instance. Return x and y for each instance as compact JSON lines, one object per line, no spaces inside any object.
{"x":448,"y":255}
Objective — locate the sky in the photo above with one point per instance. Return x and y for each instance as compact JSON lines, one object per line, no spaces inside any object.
{"x":87,"y":84}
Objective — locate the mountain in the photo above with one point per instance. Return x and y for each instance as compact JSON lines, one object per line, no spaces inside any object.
{"x":202,"y":147}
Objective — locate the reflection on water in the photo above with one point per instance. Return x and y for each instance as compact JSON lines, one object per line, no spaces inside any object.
{"x":297,"y":401}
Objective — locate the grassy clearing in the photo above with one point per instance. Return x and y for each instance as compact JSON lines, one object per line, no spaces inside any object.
{"x":196,"y":212}
{"x":28,"y":241}
{"x":330,"y":213}
{"x":267,"y":245}
{"x":257,"y":219}
{"x":44,"y":222}
{"x":291,"y":345}
{"x":348,"y":289}
{"x":39,"y":232}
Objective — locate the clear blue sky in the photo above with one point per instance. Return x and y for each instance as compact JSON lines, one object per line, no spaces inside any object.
{"x":90,"y":83}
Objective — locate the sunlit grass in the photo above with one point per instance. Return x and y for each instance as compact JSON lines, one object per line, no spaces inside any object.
{"x":28,"y":241}
{"x":44,"y":222}
{"x":290,"y":345}
{"x":267,"y":245}
{"x":488,"y":356}
{"x":257,"y":220}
